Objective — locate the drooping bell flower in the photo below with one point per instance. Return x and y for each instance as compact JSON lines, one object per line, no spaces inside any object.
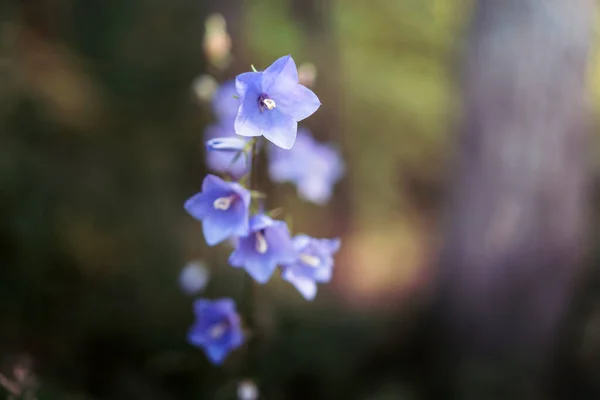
{"x":313,"y":265}
{"x":217,"y":328}
{"x":267,"y":245}
{"x":223,"y":208}
{"x":313,"y":167}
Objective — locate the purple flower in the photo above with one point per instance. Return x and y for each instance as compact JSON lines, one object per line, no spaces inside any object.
{"x":217,"y":329}
{"x":267,"y":245}
{"x":222,"y":207}
{"x":314,"y":264}
{"x":312,"y":166}
{"x":272,"y":102}
{"x":221,"y":161}
{"x":225,"y":103}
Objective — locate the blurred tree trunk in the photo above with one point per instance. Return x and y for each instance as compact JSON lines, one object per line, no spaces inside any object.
{"x":515,"y":216}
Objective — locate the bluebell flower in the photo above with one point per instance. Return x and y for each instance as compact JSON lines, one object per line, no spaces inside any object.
{"x":223,"y":208}
{"x":225,"y":102}
{"x":312,"y":166}
{"x":267,"y":245}
{"x":272,"y":102}
{"x":223,"y":161}
{"x":193,"y":277}
{"x":217,"y":329}
{"x":229,"y":144}
{"x":313,"y":265}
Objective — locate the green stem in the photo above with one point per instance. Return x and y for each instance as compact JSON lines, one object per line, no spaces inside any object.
{"x":249,"y":294}
{"x":250,"y":322}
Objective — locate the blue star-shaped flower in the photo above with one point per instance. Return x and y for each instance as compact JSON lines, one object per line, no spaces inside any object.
{"x":267,"y":245}
{"x":314,"y":264}
{"x":223,"y":208}
{"x":272,"y":102}
{"x":312,"y":166}
{"x":217,"y":329}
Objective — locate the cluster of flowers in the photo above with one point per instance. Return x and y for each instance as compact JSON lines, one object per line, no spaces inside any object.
{"x":270,"y":104}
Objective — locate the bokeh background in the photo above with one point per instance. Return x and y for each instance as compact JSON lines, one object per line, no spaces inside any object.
{"x":101,"y":124}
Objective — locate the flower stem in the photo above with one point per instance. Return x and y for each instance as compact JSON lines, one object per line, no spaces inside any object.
{"x":250,"y":322}
{"x":249,"y":294}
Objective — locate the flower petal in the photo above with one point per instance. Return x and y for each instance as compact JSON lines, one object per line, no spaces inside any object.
{"x":260,"y":221}
{"x":224,"y":162}
{"x":225,"y":305}
{"x":279,"y":238}
{"x":221,"y":225}
{"x":196,"y":338}
{"x":224,"y":104}
{"x":282,"y":132}
{"x":250,"y":121}
{"x":274,"y":125}
{"x":291,"y":165}
{"x":260,"y":271}
{"x":315,"y":189}
{"x":323,"y":274}
{"x":333,"y":244}
{"x":237,"y":337}
{"x":297,"y":101}
{"x":198,"y":206}
{"x":221,"y":161}
{"x":306,"y":286}
{"x":201,"y":305}
{"x":281,"y":170}
{"x":283,"y":70}
{"x":213,"y":182}
{"x":216,"y":353}
{"x":236,"y":259}
{"x":248,"y":85}
{"x":214,"y":233}
{"x":242,"y":251}
{"x":228,"y":144}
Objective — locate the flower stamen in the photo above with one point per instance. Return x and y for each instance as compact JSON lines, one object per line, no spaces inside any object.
{"x":223,"y":203}
{"x":261,"y":243}
{"x":217,"y":330}
{"x":309,"y":260}
{"x":264,"y":101}
{"x":269,"y":103}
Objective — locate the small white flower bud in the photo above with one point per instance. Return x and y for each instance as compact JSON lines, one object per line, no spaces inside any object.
{"x":247,"y":390}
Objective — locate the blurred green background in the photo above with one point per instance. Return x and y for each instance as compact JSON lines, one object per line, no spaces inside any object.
{"x":101,"y":143}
